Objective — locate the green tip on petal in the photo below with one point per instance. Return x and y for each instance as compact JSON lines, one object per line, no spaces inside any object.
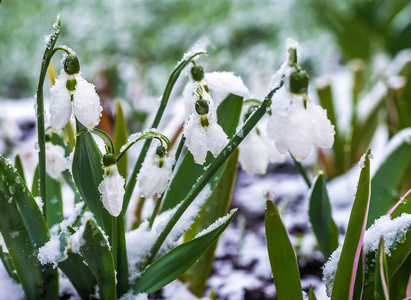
{"x":197,"y":72}
{"x":71,"y":65}
{"x":202,"y":107}
{"x":109,"y":160}
{"x":299,"y":82}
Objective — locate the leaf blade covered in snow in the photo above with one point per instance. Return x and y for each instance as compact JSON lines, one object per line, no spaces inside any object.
{"x":97,"y":255}
{"x":282,"y":255}
{"x":177,"y":261}
{"x":347,"y":266}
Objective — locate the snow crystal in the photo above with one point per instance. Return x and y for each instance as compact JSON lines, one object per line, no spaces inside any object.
{"x":78,"y":208}
{"x":47,"y":38}
{"x":39,"y":202}
{"x":131,"y":296}
{"x":50,"y":252}
{"x":9,"y":289}
{"x":215,"y":224}
{"x":76,"y":239}
{"x":361,"y":163}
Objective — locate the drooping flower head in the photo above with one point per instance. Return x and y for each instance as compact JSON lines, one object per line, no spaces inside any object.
{"x":111,"y":187}
{"x":202,"y":132}
{"x":155,"y":173}
{"x":72,"y":93}
{"x":296,"y":123}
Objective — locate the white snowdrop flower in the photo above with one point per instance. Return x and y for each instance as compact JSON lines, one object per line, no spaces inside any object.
{"x":111,"y":187}
{"x":297,"y":124}
{"x":72,"y":93}
{"x":224,"y":83}
{"x":56,"y":162}
{"x":203,"y":133}
{"x":257,"y":151}
{"x":155,"y":173}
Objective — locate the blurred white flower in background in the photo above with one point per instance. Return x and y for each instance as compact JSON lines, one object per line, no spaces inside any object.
{"x":56,"y":162}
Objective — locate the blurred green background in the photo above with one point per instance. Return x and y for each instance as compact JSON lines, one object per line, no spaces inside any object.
{"x":134,"y":44}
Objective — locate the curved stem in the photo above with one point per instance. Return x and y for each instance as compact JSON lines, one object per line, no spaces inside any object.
{"x":48,"y":53}
{"x":213,"y":168}
{"x":104,"y":136}
{"x":303,"y":172}
{"x":166,"y":95}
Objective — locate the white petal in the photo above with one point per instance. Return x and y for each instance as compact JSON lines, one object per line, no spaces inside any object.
{"x":324,"y":130}
{"x":216,"y":137}
{"x":112,"y":190}
{"x":152,"y":179}
{"x":196,"y":138}
{"x":86,"y":103}
{"x":224,"y":83}
{"x":56,"y":162}
{"x":60,"y":104}
{"x":253,"y":157}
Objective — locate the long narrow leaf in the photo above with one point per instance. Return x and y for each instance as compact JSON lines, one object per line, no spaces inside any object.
{"x":381,"y":285}
{"x":120,"y":138}
{"x":400,"y":280}
{"x":8,"y":264}
{"x":321,"y":217}
{"x":281,"y":253}
{"x":389,"y":175}
{"x":215,"y":207}
{"x":177,"y":261}
{"x":97,"y":255}
{"x":311,"y":295}
{"x":343,"y":287}
{"x":24,"y":230}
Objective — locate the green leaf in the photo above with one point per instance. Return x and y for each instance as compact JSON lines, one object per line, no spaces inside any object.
{"x":215,"y":207}
{"x":8,"y":264}
{"x":228,"y":113}
{"x":171,"y":265}
{"x":311,"y":295}
{"x":399,"y":281}
{"x":97,"y":255}
{"x":343,"y":287}
{"x":88,"y":174}
{"x":54,"y":198}
{"x":381,"y":288}
{"x":402,"y":206}
{"x":282,"y":256}
{"x":19,"y":167}
{"x":321,"y":219}
{"x":389,"y":175}
{"x":24,"y":230}
{"x":120,"y":138}
{"x":79,"y":275}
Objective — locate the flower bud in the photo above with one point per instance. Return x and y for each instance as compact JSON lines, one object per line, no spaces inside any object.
{"x":202,"y":107}
{"x":197,"y":72}
{"x":71,"y":65}
{"x":299,"y":82}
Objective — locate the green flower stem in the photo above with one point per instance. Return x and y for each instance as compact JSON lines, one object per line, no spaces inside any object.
{"x":215,"y":165}
{"x":303,"y":172}
{"x":48,"y":53}
{"x":104,"y":136}
{"x":166,"y":95}
{"x":160,"y":199}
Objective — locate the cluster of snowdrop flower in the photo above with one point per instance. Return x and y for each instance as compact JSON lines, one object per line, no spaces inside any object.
{"x":71,"y":92}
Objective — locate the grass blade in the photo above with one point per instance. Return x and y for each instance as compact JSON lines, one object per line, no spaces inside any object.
{"x":347,"y":266}
{"x":120,"y":138}
{"x":381,"y":288}
{"x":282,"y":256}
{"x":321,"y":219}
{"x":171,"y":265}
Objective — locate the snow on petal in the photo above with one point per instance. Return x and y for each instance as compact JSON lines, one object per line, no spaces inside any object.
{"x":112,"y":190}
{"x":60,"y":104}
{"x":153,"y":178}
{"x":86,"y":103}
{"x":324,"y":130}
{"x":216,"y":137}
{"x":223,"y":83}
{"x":56,"y":162}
